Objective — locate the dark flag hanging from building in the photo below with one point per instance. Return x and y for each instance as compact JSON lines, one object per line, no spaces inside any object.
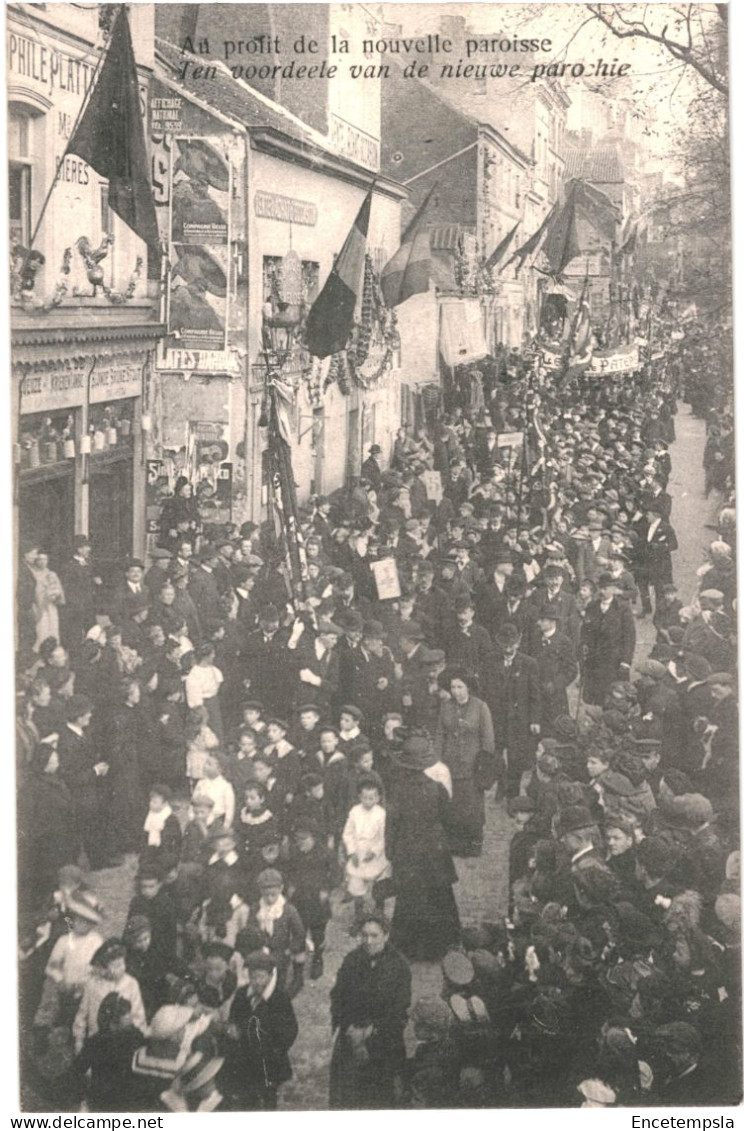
{"x":408,"y":272}
{"x":501,"y":249}
{"x":561,"y":244}
{"x":331,"y":318}
{"x":110,"y":136}
{"x":534,"y":243}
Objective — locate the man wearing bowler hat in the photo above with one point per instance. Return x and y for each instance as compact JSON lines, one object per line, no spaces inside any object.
{"x":608,"y":639}
{"x":371,"y":468}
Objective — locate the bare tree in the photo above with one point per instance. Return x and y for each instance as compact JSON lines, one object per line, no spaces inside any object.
{"x":693,"y":34}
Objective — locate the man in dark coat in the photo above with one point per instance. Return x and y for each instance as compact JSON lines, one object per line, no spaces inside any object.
{"x":608,"y":639}
{"x":557,"y":667}
{"x":467,"y":644}
{"x":205,"y":592}
{"x":371,"y":470}
{"x":491,"y":596}
{"x":657,"y":541}
{"x":513,"y":695}
{"x":25,"y":602}
{"x":433,"y":607}
{"x":316,"y":669}
{"x":80,"y":586}
{"x":263,"y":661}
{"x":557,"y":602}
{"x":85,"y":774}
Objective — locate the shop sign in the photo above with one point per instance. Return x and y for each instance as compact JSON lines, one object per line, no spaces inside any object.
{"x":355,"y":144}
{"x":622,"y":361}
{"x":271,"y":206}
{"x":64,"y":389}
{"x":198,"y":361}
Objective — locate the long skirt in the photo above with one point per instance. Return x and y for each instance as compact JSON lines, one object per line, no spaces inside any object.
{"x":360,"y":1086}
{"x":426,"y":922}
{"x":468,"y":818}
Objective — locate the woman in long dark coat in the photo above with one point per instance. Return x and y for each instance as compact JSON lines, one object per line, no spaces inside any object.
{"x":130,"y":742}
{"x":369,"y":1008}
{"x":426,"y":922}
{"x":47,"y":826}
{"x":465,"y":742}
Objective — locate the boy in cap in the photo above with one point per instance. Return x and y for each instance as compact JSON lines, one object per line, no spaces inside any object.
{"x":275,"y":925}
{"x":262,"y":1029}
{"x":309,"y":884}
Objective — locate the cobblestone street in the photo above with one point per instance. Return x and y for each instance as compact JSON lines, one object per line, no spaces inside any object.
{"x":481,"y":891}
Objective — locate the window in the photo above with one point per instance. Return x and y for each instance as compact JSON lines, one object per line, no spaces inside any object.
{"x":19,"y":203}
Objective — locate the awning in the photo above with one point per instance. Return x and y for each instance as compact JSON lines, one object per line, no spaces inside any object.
{"x":461,"y":336}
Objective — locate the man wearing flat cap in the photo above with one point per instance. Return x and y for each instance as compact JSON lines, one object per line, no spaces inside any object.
{"x":263,"y":662}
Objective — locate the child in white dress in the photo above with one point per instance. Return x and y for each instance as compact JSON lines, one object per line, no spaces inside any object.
{"x":364,"y":842}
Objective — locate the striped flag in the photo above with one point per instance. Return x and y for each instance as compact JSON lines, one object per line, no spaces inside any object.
{"x":409,"y":270}
{"x":331,"y":318}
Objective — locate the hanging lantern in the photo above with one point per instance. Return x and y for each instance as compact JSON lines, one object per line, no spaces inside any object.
{"x":69,"y":449}
{"x":99,"y":440}
{"x":85,"y":446}
{"x":112,"y":437}
{"x":125,"y":426}
{"x":146,"y":422}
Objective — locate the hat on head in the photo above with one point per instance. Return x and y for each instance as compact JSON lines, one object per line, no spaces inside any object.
{"x":169,"y":1021}
{"x":259,"y":959}
{"x":77,"y":706}
{"x":656,"y":855}
{"x":697,"y":667}
{"x":373,"y":630}
{"x":457,"y":968}
{"x":109,"y":951}
{"x":136,"y":926}
{"x":419,"y":750}
{"x":725,"y":679}
{"x":432,"y":656}
{"x":432,"y":1016}
{"x":270,"y":878}
{"x":218,"y":832}
{"x":353,"y":710}
{"x":411,"y":630}
{"x":375,"y":450}
{"x":652,"y":669}
{"x":691,"y":809}
{"x":606,"y":579}
{"x":160,"y":555}
{"x":133,"y":563}
{"x":217,"y":950}
{"x":84,"y":903}
{"x":307,"y":707}
{"x":508,"y":635}
{"x":573,"y":819}
{"x":268,"y":613}
{"x":545,"y":612}
{"x":502,"y":557}
{"x":715,"y":596}
{"x":351,"y":620}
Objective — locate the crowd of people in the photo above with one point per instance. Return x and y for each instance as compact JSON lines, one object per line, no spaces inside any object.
{"x":267,"y":763}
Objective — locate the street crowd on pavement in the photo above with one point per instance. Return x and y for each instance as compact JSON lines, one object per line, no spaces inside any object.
{"x":253,"y":754}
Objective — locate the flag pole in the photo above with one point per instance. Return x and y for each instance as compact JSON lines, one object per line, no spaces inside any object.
{"x":65,"y":152}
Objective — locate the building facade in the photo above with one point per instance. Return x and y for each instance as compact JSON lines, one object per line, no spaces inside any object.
{"x":84,"y":314}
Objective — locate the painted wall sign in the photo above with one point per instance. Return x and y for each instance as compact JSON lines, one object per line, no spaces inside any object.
{"x":285,"y":208}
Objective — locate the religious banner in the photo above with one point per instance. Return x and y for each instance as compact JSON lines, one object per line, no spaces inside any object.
{"x":619,"y":361}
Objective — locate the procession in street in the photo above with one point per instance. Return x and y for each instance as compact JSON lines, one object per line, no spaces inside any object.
{"x":376,"y":648}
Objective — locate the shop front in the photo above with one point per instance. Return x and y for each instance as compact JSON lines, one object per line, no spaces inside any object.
{"x":79,"y":440}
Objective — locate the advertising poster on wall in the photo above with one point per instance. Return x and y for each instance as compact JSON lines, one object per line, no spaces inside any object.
{"x":199,"y":276}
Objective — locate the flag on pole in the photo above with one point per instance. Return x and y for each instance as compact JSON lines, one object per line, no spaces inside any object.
{"x":409,"y":270}
{"x":501,"y":249}
{"x":535,"y":242}
{"x":331,"y":317}
{"x":110,"y":136}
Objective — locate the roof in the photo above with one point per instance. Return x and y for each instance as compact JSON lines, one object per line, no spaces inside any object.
{"x":598,"y":165}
